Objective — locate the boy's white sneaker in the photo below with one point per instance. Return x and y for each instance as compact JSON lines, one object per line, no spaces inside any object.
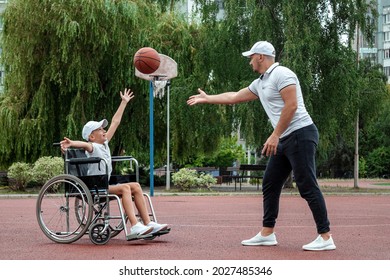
{"x":138,"y":231}
{"x":259,"y":240}
{"x":157,"y":227}
{"x":319,"y":244}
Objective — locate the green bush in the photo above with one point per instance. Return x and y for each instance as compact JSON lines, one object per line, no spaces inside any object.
{"x":19,"y":174}
{"x":206,"y":180}
{"x":378,"y":162}
{"x":46,"y":168}
{"x":362,"y":167}
{"x":185,"y":179}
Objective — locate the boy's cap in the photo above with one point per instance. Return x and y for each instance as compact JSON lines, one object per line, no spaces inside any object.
{"x":91,"y":126}
{"x":261,"y":47}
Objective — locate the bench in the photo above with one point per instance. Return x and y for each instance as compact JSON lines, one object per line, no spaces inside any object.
{"x":205,"y":169}
{"x":244,"y":170}
{"x":227,"y":174}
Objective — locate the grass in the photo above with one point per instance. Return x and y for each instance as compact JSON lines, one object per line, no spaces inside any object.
{"x":7,"y":190}
{"x":349,"y":190}
{"x":382,"y":184}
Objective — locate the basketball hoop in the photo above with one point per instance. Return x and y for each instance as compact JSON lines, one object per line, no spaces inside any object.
{"x":159,"y":88}
{"x":166,"y":71}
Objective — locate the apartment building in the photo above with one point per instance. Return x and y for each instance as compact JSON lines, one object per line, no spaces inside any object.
{"x":379,"y":51}
{"x":383,"y":37}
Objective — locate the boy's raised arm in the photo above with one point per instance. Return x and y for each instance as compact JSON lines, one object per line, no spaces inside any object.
{"x":116,"y":119}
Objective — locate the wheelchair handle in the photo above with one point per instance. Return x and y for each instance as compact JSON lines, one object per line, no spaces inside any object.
{"x":122,"y":158}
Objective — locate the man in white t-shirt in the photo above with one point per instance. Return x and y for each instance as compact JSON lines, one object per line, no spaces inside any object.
{"x":96,"y":145}
{"x":291,"y":146}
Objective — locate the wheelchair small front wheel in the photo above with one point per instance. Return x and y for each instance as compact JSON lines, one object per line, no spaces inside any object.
{"x":99,"y":234}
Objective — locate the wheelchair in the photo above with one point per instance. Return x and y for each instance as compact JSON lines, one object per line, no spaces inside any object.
{"x":75,"y":204}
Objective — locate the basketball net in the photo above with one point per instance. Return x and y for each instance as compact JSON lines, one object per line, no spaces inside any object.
{"x":159,"y":88}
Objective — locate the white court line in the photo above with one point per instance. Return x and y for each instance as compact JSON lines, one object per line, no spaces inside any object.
{"x":280,"y":226}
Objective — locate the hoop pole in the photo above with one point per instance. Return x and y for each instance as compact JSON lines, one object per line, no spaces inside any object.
{"x":151,"y":139}
{"x":168,"y":177}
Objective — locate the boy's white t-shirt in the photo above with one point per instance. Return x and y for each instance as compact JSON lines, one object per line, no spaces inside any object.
{"x":102,"y":151}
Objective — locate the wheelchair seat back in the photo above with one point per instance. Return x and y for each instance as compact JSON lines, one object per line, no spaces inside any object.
{"x":77,"y":163}
{"x":76,"y":169}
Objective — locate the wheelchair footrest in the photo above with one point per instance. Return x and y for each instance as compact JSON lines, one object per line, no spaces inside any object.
{"x":162,"y":232}
{"x":159,"y":233}
{"x":147,"y":236}
{"x":132,"y":237}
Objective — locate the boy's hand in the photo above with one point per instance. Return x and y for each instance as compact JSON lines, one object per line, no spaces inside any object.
{"x":127,"y":95}
{"x":65,"y":144}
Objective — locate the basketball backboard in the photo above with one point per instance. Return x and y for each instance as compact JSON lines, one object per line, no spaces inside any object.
{"x":166,"y":71}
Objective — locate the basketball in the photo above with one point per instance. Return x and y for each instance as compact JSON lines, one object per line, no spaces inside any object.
{"x":146,"y":60}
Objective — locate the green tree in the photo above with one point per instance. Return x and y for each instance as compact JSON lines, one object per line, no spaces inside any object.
{"x":73,"y":61}
{"x":375,"y":135}
{"x":308,"y":38}
{"x":227,"y":153}
{"x":378,"y":162}
{"x":75,"y":57}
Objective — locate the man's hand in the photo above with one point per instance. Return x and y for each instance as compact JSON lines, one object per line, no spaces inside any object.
{"x":197,"y":99}
{"x":270,"y":146}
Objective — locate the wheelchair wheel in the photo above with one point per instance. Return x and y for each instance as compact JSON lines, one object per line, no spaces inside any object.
{"x":60,"y":204}
{"x":98,"y":234}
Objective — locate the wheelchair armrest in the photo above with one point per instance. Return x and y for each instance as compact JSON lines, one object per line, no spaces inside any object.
{"x":131,"y":160}
{"x":122,"y":158}
{"x":74,"y":161}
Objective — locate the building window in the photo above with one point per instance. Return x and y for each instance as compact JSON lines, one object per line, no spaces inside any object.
{"x":386,"y":71}
{"x":387,"y":36}
{"x":386,"y":53}
{"x":386,"y":18}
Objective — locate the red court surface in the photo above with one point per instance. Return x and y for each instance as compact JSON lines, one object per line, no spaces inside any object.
{"x":211,"y":228}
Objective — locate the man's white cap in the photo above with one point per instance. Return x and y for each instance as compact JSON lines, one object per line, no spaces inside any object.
{"x":91,"y":126}
{"x":261,"y":47}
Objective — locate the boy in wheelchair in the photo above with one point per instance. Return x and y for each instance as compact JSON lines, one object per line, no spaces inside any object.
{"x":96,"y":145}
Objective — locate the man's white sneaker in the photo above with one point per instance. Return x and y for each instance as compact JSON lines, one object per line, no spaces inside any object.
{"x":319,"y":244}
{"x":259,"y":240}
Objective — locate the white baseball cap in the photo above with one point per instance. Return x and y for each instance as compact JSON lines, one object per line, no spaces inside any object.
{"x":91,"y":126}
{"x":261,"y":47}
